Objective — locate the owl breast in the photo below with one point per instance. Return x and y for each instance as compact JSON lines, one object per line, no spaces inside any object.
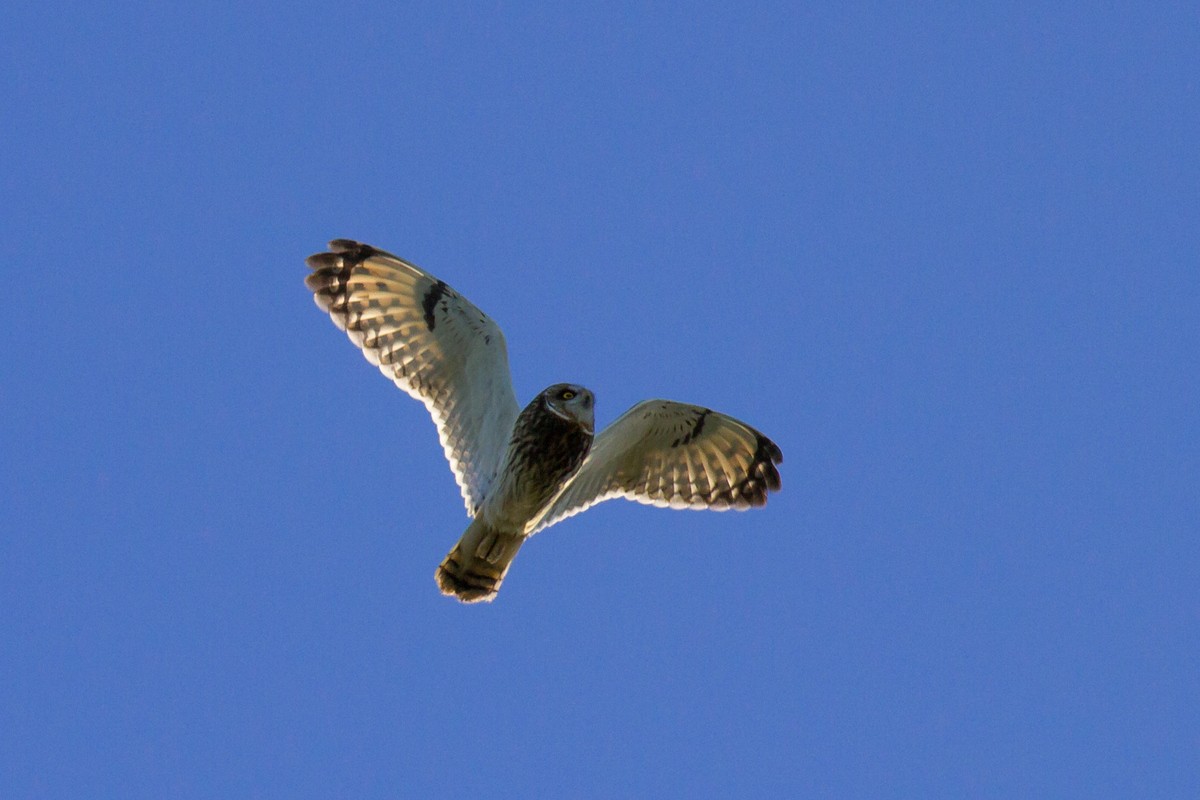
{"x":544,"y":453}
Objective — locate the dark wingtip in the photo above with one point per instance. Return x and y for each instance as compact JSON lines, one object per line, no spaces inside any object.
{"x":764,"y":477}
{"x":316,"y":282}
{"x":767,"y":456}
{"x":331,"y":269}
{"x":322,"y":261}
{"x":342,"y":252}
{"x":356,"y":252}
{"x":771,"y":475}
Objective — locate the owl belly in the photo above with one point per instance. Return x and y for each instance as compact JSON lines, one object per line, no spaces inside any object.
{"x":544,"y":454}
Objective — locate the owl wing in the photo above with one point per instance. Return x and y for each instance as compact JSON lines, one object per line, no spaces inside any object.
{"x":673,"y":455}
{"x":433,"y":343}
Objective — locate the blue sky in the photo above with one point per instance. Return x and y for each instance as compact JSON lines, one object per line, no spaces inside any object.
{"x":947,"y":258}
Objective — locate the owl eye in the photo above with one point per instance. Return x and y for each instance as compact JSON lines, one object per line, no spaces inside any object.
{"x":565,"y":394}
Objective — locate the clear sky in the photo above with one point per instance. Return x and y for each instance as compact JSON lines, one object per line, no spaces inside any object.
{"x":947,"y":258}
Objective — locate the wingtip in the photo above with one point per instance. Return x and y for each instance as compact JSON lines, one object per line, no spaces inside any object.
{"x":322,"y":261}
{"x":770,"y":472}
{"x":356,"y":252}
{"x":772,"y":450}
{"x":331,"y":269}
{"x":764,"y":476}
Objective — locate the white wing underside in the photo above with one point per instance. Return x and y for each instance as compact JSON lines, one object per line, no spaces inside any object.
{"x":671,"y":455}
{"x":434,"y":344}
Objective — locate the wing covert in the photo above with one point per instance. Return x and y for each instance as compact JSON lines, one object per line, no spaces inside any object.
{"x":433,"y":343}
{"x":673,"y":455}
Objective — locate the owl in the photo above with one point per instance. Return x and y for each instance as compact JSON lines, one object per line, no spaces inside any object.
{"x":521,"y":470}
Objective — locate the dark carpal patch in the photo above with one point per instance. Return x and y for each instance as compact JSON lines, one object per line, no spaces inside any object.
{"x":697,"y":428}
{"x":430,"y":301}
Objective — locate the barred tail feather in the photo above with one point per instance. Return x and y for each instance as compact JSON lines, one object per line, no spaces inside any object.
{"x":475,"y":568}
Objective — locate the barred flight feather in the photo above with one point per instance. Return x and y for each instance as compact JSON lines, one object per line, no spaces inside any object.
{"x":522,"y":472}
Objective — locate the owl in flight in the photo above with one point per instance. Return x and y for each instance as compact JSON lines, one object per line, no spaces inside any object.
{"x":522,"y":470}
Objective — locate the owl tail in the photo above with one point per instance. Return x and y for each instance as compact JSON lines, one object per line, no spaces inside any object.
{"x":476,"y":566}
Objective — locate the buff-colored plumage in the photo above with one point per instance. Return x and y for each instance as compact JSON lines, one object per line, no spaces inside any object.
{"x":523,"y":471}
{"x":433,"y":344}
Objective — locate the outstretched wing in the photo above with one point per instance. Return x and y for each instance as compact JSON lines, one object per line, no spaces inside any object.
{"x":675,"y":455}
{"x":433,"y":343}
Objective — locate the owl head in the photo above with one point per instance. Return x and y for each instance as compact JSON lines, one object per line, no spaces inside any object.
{"x":572,"y":403}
